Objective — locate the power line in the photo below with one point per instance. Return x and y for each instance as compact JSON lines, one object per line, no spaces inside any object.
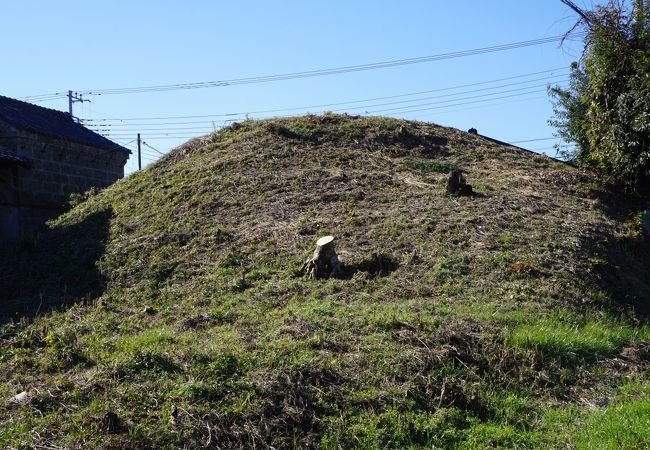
{"x":430,"y":106}
{"x":534,"y":140}
{"x":207,"y":128}
{"x":336,"y":110}
{"x":123,"y":133}
{"x":45,"y":100}
{"x":44,"y":97}
{"x":151,"y":129}
{"x":473,"y":108}
{"x":458,"y":93}
{"x":180,"y":137}
{"x":156,"y":150}
{"x":323,"y":72}
{"x":451,"y":100}
{"x":122,"y":141}
{"x":149,"y":158}
{"x":151,"y":155}
{"x":457,"y":104}
{"x":543,"y":149}
{"x":233,"y":114}
{"x":166,"y":137}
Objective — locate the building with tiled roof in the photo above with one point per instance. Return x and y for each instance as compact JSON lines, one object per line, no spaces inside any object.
{"x":45,"y":156}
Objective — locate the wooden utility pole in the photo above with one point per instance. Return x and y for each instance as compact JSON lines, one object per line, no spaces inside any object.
{"x":139,"y":154}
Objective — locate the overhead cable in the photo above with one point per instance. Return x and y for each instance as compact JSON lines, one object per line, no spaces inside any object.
{"x":322,"y":72}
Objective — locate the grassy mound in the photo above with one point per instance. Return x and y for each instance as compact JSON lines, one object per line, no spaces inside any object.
{"x":169,"y":310}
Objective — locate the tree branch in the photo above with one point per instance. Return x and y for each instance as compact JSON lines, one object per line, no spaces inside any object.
{"x":584,"y":15}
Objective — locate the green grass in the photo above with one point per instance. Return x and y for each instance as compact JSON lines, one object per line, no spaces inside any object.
{"x":174,"y":299}
{"x":564,"y":335}
{"x":625,"y":423}
{"x":426,"y":167}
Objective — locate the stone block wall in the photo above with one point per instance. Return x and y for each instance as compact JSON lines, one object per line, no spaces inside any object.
{"x":58,"y":168}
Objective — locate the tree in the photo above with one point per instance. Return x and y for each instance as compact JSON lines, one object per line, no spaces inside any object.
{"x":605,"y":110}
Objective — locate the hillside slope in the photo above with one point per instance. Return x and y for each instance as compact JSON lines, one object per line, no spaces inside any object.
{"x":170,"y":310}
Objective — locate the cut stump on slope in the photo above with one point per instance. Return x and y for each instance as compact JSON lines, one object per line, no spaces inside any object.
{"x":456,"y":184}
{"x":324,"y":263}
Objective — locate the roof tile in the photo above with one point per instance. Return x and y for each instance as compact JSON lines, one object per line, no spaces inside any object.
{"x":50,"y":122}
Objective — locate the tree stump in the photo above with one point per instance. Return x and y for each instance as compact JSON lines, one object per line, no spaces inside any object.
{"x":324,"y":263}
{"x":456,"y":184}
{"x":111,"y":423}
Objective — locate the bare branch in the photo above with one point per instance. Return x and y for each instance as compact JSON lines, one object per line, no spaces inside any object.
{"x":571,"y":30}
{"x":586,"y":18}
{"x":584,"y":15}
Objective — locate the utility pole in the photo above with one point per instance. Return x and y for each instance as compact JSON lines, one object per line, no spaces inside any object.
{"x":74,"y":97}
{"x":139,"y":154}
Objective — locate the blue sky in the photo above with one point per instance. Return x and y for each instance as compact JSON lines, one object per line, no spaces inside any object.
{"x":51,"y":47}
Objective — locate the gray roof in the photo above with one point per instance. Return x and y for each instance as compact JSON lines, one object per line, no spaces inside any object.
{"x":53,"y":123}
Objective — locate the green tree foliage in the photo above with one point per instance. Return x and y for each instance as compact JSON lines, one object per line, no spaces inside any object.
{"x":605,"y":110}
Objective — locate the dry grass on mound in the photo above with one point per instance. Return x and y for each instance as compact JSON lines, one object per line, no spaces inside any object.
{"x":171,"y":310}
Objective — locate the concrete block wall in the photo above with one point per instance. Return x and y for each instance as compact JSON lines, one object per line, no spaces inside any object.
{"x":58,"y":168}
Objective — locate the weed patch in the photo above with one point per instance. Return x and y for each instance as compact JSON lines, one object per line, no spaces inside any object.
{"x":146,"y":362}
{"x":426,"y":167}
{"x":570,"y":338}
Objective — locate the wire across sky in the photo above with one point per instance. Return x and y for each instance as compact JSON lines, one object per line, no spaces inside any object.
{"x":304,"y":74}
{"x":161,"y":126}
{"x":186,"y":126}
